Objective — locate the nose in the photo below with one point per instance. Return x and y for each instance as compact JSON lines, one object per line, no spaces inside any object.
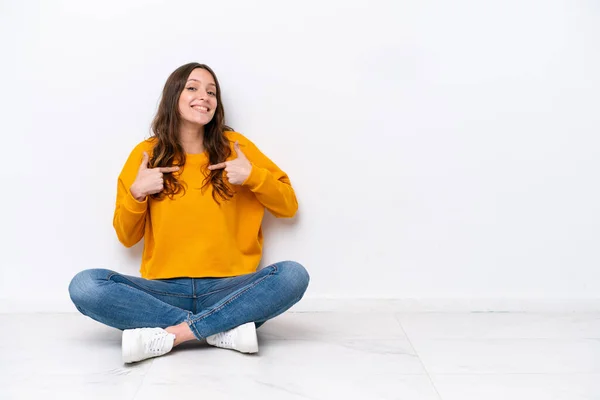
{"x":202,"y":94}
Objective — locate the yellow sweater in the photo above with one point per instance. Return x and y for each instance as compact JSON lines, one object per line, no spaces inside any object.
{"x":191,"y":235}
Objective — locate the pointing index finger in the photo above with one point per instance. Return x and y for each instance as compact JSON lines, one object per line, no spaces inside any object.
{"x":165,"y":170}
{"x":218,"y":166}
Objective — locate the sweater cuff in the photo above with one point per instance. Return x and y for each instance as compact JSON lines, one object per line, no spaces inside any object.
{"x":135,"y":206}
{"x":256,"y":178}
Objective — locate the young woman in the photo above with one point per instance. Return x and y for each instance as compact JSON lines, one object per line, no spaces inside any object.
{"x":196,"y":192}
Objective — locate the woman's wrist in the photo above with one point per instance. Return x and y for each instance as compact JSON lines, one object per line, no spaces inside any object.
{"x":136,"y":194}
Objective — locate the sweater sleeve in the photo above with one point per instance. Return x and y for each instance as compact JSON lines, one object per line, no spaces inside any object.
{"x":270,"y":184}
{"x":129,"y":218}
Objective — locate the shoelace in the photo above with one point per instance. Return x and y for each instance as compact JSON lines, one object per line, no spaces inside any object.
{"x":156,"y":344}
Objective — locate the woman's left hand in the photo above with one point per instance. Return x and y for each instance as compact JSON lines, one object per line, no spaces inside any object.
{"x":238,"y":170}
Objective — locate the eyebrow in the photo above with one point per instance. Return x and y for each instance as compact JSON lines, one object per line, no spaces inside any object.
{"x":201,"y":82}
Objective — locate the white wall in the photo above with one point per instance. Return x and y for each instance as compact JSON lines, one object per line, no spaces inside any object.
{"x":439,"y":149}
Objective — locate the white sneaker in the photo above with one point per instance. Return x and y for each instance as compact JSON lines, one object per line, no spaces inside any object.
{"x":241,"y":338}
{"x":141,"y":343}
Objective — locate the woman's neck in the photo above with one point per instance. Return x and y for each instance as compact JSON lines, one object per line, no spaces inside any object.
{"x":192,"y":139}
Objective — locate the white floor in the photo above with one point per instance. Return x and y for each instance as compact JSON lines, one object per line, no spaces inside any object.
{"x":483,"y":356}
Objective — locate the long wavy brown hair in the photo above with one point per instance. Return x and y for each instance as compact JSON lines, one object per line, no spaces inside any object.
{"x":168,"y":150}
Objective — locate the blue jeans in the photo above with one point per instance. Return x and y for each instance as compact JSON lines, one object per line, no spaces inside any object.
{"x":208,"y":305}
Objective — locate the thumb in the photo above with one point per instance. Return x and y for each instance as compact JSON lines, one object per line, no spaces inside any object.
{"x":144,"y":164}
{"x":240,"y":153}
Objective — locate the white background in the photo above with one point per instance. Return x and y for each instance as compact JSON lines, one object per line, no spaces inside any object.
{"x":439,"y":149}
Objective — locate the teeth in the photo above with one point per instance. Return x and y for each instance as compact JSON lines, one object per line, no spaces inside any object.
{"x":200,"y":108}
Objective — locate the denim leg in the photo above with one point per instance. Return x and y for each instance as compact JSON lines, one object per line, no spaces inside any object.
{"x":127,"y":302}
{"x":257,"y":297}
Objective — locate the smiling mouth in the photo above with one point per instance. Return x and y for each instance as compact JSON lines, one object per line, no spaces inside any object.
{"x":201,"y":109}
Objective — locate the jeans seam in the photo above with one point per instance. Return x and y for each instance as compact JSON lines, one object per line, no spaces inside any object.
{"x":193,"y":328}
{"x":193,"y":295}
{"x":146,"y":289}
{"x":193,"y":321}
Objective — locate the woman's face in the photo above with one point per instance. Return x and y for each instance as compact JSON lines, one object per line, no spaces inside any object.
{"x":198,"y":101}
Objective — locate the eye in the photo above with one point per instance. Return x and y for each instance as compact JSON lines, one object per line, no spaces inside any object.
{"x":191,"y":88}
{"x":211,"y":93}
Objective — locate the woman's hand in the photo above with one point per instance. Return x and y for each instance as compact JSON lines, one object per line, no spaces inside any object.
{"x":238,"y":170}
{"x":149,"y":180}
